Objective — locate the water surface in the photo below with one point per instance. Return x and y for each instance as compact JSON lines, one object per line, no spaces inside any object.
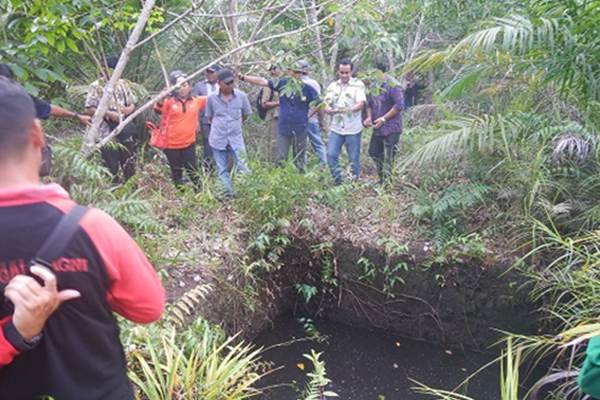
{"x":365,"y":365}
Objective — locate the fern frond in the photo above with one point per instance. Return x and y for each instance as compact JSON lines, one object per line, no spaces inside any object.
{"x":180,"y":311}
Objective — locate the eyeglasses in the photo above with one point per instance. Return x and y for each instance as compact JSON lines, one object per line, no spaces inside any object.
{"x":230,"y":83}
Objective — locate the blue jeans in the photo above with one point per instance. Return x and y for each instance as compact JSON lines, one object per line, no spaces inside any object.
{"x":239,"y":163}
{"x":314,"y":135}
{"x":336,"y":141}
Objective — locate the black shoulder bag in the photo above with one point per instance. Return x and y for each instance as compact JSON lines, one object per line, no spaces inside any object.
{"x":59,"y":239}
{"x":52,"y":248}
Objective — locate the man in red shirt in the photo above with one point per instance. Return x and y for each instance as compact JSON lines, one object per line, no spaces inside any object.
{"x":59,"y":338}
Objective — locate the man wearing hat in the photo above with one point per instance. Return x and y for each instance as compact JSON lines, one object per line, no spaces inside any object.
{"x":294,"y":105}
{"x":206,"y":87}
{"x":227,"y":111}
{"x":120,"y":105}
{"x":314,"y":131}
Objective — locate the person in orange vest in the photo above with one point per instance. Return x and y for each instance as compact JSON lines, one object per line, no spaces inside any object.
{"x":178,"y":126}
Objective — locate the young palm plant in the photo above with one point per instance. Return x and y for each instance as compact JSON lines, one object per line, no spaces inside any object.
{"x":169,"y":362}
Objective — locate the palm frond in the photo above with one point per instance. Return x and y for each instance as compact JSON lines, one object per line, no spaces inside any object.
{"x":516,"y":34}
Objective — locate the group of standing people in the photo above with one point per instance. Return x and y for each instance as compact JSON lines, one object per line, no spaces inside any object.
{"x":212,"y":112}
{"x":299,"y":115}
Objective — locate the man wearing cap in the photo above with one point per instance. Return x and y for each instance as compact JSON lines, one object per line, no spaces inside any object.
{"x":206,"y":87}
{"x":120,"y":105}
{"x":295,"y":98}
{"x":314,"y":131}
{"x":226,"y":111}
{"x":345,"y":99}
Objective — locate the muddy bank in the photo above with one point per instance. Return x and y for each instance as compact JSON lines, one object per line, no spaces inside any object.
{"x":455,"y":304}
{"x":463,"y":303}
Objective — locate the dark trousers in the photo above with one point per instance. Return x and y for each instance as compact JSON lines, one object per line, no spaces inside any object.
{"x":383,"y":150}
{"x":208,"y":165}
{"x":298,"y":141}
{"x":120,"y":157}
{"x":180,"y":159}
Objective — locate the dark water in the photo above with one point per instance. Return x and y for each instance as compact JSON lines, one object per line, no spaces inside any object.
{"x":365,"y":365}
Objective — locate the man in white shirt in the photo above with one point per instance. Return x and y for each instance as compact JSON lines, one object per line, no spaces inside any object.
{"x":345,"y":99}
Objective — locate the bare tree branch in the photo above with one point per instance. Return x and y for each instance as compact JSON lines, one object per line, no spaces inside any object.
{"x":312,"y":17}
{"x":260,"y":21}
{"x":199,"y":27}
{"x":287,"y":6}
{"x":336,"y":47}
{"x":162,"y":65}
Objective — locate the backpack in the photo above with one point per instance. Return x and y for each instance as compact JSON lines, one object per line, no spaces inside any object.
{"x":262,"y":111}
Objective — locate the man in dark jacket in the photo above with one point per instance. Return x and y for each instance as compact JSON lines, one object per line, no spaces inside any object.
{"x":384,"y":106}
{"x":59,"y":338}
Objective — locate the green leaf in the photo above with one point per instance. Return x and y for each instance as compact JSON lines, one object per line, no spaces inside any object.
{"x":72,"y":45}
{"x":41,"y":73}
{"x":32,"y":90}
{"x":20,"y":72}
{"x":60,"y":46}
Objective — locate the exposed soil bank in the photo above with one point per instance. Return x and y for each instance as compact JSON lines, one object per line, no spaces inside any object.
{"x":459,"y":304}
{"x":463,"y":303}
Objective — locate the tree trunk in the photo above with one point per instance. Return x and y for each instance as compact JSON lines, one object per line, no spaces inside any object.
{"x":92,"y":133}
{"x":335,"y":48}
{"x":312,"y":14}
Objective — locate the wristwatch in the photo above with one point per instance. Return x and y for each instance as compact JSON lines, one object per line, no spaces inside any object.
{"x":13,"y":336}
{"x":383,"y":119}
